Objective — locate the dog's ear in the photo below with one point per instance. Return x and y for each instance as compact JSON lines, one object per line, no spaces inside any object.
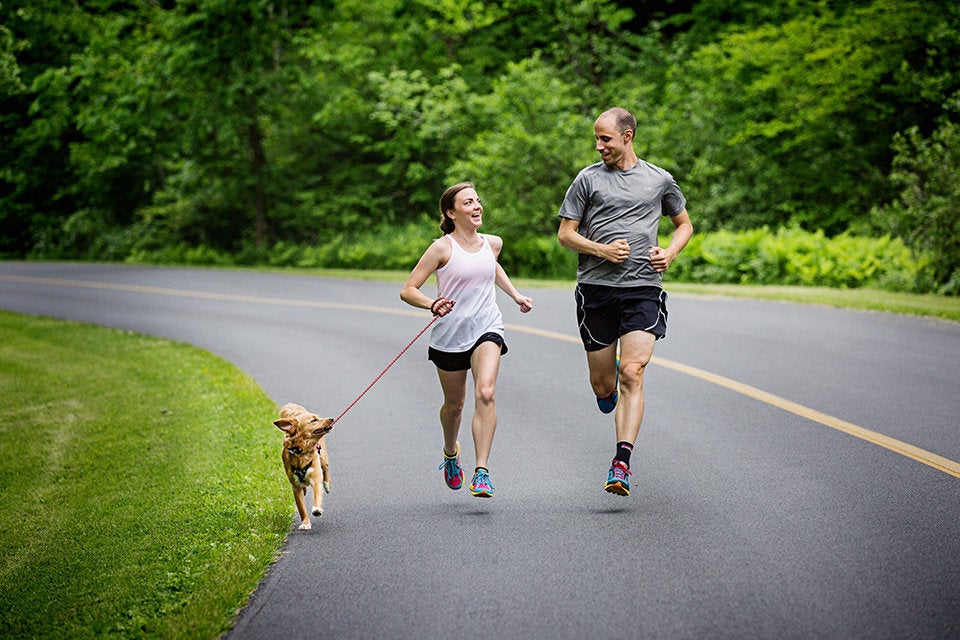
{"x":286,"y":425}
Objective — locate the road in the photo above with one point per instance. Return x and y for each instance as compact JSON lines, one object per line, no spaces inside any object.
{"x":796,"y":475}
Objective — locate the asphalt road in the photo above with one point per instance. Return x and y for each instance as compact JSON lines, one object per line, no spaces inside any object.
{"x":796,"y":475}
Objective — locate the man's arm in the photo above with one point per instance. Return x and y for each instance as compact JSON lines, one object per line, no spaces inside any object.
{"x":568,"y":236}
{"x":682,"y":231}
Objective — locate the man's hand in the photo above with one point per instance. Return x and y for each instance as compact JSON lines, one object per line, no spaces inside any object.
{"x":617,"y":251}
{"x":660,"y":259}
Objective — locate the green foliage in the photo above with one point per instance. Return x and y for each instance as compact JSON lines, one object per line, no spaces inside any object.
{"x":538,"y":257}
{"x":927,"y":214}
{"x":523,"y":161}
{"x":219,"y":130}
{"x":791,"y":256}
{"x":791,"y":121}
{"x":10,"y":81}
{"x":143,"y":494}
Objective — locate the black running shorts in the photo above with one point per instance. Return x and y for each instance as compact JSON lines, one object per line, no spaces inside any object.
{"x":606,"y":313}
{"x":460,"y":361}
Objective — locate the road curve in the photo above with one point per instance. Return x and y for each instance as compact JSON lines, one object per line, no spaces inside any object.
{"x":796,"y":475}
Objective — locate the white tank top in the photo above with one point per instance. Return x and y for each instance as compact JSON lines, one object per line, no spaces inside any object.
{"x":469,"y":279}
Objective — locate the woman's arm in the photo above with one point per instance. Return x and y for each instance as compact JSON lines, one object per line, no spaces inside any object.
{"x":503,"y":280}
{"x":432,"y":259}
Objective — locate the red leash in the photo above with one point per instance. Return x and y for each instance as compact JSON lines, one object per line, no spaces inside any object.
{"x":369,"y":386}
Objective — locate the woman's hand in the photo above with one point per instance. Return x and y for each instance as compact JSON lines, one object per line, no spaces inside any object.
{"x":442,"y":306}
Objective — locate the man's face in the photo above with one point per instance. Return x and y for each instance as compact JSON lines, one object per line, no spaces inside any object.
{"x":611,"y":144}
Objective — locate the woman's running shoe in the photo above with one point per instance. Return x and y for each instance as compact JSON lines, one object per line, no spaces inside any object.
{"x":480,"y":486}
{"x":452,"y":473}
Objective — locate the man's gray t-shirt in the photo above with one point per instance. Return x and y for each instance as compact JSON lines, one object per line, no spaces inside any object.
{"x":612,"y":204}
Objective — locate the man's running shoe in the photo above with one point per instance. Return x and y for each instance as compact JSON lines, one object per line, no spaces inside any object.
{"x":609,"y":403}
{"x":480,"y":486}
{"x":618,"y":480}
{"x":452,"y":473}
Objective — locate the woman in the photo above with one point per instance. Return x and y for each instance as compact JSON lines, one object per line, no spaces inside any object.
{"x":469,"y":333}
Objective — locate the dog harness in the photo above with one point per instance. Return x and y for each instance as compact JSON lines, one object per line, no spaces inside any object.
{"x":301,"y":473}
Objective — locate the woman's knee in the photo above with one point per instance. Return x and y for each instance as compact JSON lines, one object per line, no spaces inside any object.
{"x":486,"y":394}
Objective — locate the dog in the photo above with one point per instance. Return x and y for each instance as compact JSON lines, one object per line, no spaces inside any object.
{"x":305,"y":457}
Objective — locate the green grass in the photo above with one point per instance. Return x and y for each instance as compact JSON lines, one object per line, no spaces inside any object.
{"x":927,"y":305}
{"x":142,"y":493}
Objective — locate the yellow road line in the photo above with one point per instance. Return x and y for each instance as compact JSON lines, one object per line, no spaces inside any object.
{"x":930,"y":459}
{"x":920,"y":455}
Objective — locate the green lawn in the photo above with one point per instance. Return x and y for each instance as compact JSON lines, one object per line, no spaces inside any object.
{"x":142,"y":492}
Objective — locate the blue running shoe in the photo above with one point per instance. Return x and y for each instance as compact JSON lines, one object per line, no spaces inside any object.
{"x":452,"y":473}
{"x":618,"y":479}
{"x":480,"y":486}
{"x":609,"y":403}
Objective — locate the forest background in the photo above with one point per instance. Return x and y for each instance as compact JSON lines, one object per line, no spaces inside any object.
{"x":817,"y":142}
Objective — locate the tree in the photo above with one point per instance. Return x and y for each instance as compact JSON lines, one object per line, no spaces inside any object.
{"x":927,"y":213}
{"x":793,"y":121}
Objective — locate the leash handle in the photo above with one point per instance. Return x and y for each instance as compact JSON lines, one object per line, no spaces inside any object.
{"x":369,"y":386}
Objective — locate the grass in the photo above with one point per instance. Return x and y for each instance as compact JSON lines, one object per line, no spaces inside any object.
{"x":926,"y":305}
{"x":141,"y":490}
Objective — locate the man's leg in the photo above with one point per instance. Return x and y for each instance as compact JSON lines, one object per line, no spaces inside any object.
{"x":602,"y":365}
{"x":636,"y":350}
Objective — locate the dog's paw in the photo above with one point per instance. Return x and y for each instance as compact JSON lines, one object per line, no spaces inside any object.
{"x":317,"y":511}
{"x":304,"y":526}
{"x":326,"y":486}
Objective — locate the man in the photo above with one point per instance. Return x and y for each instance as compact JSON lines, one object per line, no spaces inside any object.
{"x":610,"y":216}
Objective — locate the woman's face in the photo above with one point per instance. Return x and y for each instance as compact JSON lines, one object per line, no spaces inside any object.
{"x":467,"y":211}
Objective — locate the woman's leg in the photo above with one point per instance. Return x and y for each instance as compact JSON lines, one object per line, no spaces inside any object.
{"x":485,"y":363}
{"x":454,"y":386}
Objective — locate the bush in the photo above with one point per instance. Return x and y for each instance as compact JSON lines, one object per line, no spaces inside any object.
{"x":788,"y":256}
{"x":791,"y":256}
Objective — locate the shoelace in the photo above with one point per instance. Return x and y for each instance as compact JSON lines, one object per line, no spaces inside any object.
{"x":451,"y":466}
{"x":620,"y":472}
{"x":482,"y":479}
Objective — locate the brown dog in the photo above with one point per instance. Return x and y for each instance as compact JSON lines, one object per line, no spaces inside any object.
{"x":305,"y":457}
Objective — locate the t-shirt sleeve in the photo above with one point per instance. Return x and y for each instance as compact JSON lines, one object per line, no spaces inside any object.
{"x":673,"y":201}
{"x":575,"y":202}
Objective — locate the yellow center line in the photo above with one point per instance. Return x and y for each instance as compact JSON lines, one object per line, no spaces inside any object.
{"x":920,"y":455}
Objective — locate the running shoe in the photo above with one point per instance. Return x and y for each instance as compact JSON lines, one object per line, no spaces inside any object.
{"x":609,"y":403}
{"x":452,"y":473}
{"x":480,"y":486}
{"x":618,"y":480}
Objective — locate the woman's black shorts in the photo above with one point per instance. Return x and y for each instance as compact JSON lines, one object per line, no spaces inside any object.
{"x":460,"y":361}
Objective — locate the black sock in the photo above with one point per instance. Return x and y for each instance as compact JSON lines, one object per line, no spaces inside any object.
{"x":624,"y":449}
{"x":478,"y":469}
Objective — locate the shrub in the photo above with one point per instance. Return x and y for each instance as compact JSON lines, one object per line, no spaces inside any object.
{"x":791,"y":256}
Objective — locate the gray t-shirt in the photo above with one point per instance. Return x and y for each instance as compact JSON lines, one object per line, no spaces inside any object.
{"x":611,"y":204}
